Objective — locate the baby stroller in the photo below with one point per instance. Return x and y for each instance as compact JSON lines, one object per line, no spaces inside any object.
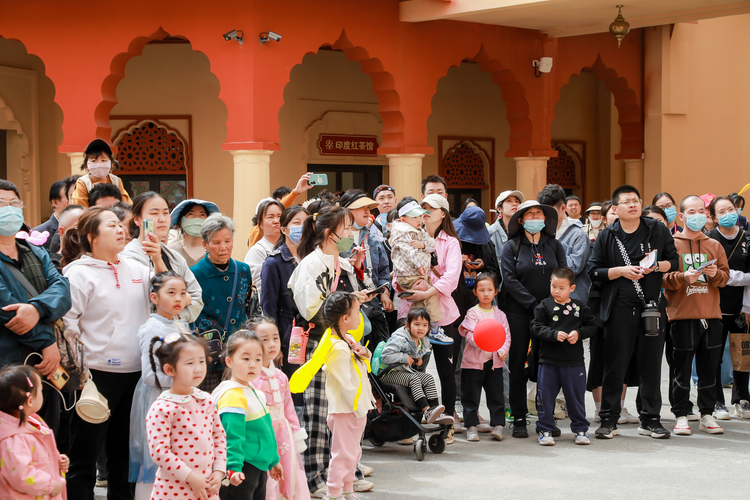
{"x":397,"y":417}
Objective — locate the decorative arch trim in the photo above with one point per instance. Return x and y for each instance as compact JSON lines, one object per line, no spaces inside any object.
{"x":10,"y":118}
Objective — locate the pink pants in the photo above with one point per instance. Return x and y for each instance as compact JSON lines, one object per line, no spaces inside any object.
{"x":346,"y":451}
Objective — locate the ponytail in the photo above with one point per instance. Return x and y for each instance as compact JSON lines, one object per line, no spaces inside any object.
{"x":76,"y":239}
{"x":151,"y":355}
{"x":319,"y":226}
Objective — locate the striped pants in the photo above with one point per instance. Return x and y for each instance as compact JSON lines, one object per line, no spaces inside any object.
{"x":422,"y":386}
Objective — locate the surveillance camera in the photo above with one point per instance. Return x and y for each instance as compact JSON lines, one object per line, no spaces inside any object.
{"x":274,"y":36}
{"x":230,"y":35}
{"x":544,"y":64}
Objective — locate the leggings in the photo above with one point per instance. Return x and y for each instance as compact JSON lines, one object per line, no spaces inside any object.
{"x":446,"y":356}
{"x":422,"y":386}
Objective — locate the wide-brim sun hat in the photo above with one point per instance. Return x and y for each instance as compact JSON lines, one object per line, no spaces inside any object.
{"x":507,"y":194}
{"x":361,"y":200}
{"x":471,"y":226}
{"x":436,"y":201}
{"x":176,"y":214}
{"x":593,"y":208}
{"x":550,"y":218}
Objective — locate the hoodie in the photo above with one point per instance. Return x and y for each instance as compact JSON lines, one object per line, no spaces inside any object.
{"x":400,"y":346}
{"x":29,"y":460}
{"x":247,"y":422}
{"x":110,"y":303}
{"x":701,"y":299}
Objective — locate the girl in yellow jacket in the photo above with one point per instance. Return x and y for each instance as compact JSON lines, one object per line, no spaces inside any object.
{"x":348,"y":392}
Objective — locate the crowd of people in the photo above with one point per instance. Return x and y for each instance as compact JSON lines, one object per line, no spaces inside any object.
{"x":191,"y":348}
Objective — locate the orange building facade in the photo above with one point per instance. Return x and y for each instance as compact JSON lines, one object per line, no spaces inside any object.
{"x":119,"y":74}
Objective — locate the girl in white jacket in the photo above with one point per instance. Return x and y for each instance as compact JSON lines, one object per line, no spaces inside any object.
{"x":348,"y":393}
{"x":109,"y":303}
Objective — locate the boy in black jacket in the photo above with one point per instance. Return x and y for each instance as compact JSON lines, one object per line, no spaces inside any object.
{"x":561,"y":323}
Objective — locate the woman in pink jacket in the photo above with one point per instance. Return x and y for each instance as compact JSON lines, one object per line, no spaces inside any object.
{"x":30,"y":466}
{"x":444,"y":281}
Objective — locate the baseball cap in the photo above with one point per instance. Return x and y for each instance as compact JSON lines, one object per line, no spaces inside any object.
{"x":411,"y":209}
{"x":383,"y":187}
{"x":506,"y":194}
{"x":436,"y":201}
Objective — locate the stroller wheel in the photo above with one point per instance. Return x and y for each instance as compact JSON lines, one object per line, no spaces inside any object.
{"x":376,"y":442}
{"x":419,"y":449}
{"x":437,"y":444}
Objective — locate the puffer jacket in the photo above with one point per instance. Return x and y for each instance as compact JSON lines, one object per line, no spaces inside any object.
{"x":395,"y":355}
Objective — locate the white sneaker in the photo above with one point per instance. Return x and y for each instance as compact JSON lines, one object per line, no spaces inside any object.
{"x":457,"y":427}
{"x":627,"y":418}
{"x":709,"y":425}
{"x":348,"y":495}
{"x":692,"y":417}
{"x":721,"y":412}
{"x":742,"y":409}
{"x":582,"y":438}
{"x":682,"y":427}
{"x":497,"y":433}
{"x":366,"y":470}
{"x":483,"y":425}
{"x":472,"y":434}
{"x":363,"y":485}
{"x":546,"y":439}
{"x":321,"y":492}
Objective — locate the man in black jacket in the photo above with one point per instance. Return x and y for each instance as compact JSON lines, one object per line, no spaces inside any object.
{"x":615,"y":261}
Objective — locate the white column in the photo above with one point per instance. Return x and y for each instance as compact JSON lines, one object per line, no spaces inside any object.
{"x":405,"y":174}
{"x":76,"y":160}
{"x":252,"y":183}
{"x":531,"y":175}
{"x":634,"y":174}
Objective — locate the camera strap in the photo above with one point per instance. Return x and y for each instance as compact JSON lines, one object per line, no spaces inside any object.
{"x":626,"y":258}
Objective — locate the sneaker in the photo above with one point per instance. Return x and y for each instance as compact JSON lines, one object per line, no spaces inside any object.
{"x":497,"y":433}
{"x":546,"y":439}
{"x":519,"y":428}
{"x":472,"y":434}
{"x":607,"y":430}
{"x":440,"y":338}
{"x":406,"y":442}
{"x":582,"y":438}
{"x":366,"y":470}
{"x":329,"y":497}
{"x":457,"y":427}
{"x":434,"y":413}
{"x":450,"y":438}
{"x":348,"y":495}
{"x":709,"y":425}
{"x":692,"y":417}
{"x":459,"y":411}
{"x":363,"y":485}
{"x":721,"y":412}
{"x":100,"y":483}
{"x":742,"y":409}
{"x":627,"y":418}
{"x":654,"y":429}
{"x":561,"y":411}
{"x":682,"y":427}
{"x":321,"y":492}
{"x":444,"y":419}
{"x":556,"y":432}
{"x":483,"y":425}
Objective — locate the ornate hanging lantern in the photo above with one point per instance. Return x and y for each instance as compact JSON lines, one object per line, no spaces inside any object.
{"x":619,"y":27}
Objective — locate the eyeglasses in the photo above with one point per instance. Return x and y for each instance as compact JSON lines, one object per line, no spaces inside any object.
{"x":668,"y":205}
{"x":632,"y":203}
{"x":14,"y":203}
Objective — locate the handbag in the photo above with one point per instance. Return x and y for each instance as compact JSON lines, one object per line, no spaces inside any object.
{"x":72,"y":357}
{"x":739,"y":348}
{"x":215,"y":338}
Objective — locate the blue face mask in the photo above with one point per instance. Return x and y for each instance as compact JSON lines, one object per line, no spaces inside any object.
{"x":671,"y":214}
{"x":728,"y":219}
{"x":11,"y":220}
{"x":695,"y":222}
{"x":739,"y":211}
{"x":356,"y":226}
{"x":533,"y":226}
{"x":295,"y":233}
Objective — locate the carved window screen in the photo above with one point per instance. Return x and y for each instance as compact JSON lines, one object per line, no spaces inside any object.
{"x":569,"y":168}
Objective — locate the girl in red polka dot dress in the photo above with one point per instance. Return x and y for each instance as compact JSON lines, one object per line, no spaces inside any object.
{"x":185,"y":435}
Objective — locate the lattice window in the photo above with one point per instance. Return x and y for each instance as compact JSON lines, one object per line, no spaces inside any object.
{"x":563,"y":169}
{"x":463,"y":167}
{"x":152,"y":147}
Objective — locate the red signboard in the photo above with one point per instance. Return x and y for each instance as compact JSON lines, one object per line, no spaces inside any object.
{"x":348,"y":145}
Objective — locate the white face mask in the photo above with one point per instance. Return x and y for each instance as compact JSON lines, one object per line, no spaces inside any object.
{"x":99,"y":170}
{"x":595,"y":223}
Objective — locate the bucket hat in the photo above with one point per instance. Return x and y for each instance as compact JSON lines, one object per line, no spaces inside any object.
{"x":550,"y":216}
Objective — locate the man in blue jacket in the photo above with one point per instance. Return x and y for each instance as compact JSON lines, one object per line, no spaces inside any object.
{"x":26,"y":322}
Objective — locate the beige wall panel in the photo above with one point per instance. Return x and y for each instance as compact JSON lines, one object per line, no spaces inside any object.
{"x":172,"y":79}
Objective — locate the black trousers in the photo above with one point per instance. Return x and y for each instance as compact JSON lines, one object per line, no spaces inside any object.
{"x":252,"y":488}
{"x":519,"y":348}
{"x":740,"y":380}
{"x":86,"y":440}
{"x":446,"y":356}
{"x":50,"y":410}
{"x":472,"y":383}
{"x":691,"y":338}
{"x":624,"y":337}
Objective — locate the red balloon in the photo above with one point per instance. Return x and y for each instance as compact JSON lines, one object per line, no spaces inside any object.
{"x":489,"y":335}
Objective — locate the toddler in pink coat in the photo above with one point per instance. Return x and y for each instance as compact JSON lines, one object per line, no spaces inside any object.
{"x":30,"y":466}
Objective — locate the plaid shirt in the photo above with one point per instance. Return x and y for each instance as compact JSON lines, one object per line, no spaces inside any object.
{"x":31,"y":267}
